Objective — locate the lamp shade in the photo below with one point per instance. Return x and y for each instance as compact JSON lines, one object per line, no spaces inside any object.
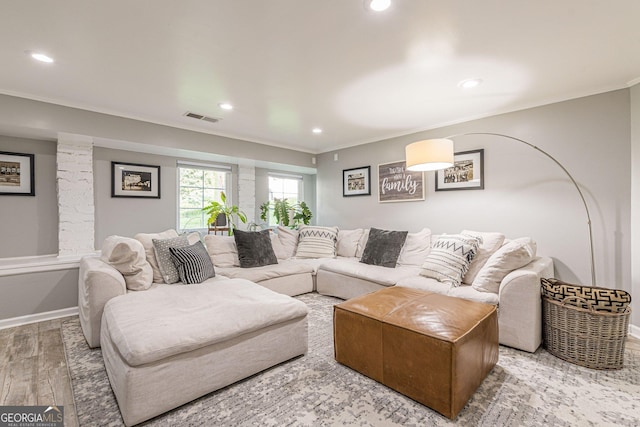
{"x":429,"y":155}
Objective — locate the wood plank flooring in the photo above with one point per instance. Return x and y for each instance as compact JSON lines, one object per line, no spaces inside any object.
{"x":34,"y":370}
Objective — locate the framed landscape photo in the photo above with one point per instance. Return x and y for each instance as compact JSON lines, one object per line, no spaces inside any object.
{"x":397,"y":184}
{"x":356,"y":182}
{"x":134,"y":180}
{"x":17,"y":174}
{"x":467,"y":172}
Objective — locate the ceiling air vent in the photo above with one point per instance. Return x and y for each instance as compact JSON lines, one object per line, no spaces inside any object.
{"x":201,"y":117}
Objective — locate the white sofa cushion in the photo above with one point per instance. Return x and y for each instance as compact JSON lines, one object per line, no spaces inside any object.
{"x":416,"y":248}
{"x":362,"y":243}
{"x":373,"y":273}
{"x":450,"y":257}
{"x":512,"y":255}
{"x":489,"y":244}
{"x":289,"y":240}
{"x":258,"y":274}
{"x":347,"y":245}
{"x":222,"y":250}
{"x":170,"y":328}
{"x":462,"y":291}
{"x":128,"y":257}
{"x":147,"y":241}
{"x":317,"y":242}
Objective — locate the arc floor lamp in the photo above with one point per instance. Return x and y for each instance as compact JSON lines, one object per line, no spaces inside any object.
{"x":436,"y":154}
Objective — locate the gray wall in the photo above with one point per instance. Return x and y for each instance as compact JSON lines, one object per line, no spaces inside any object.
{"x":29,"y":224}
{"x":635,"y":204}
{"x":525,"y":193}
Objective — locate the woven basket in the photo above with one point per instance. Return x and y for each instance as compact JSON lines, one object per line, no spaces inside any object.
{"x":583,"y":336}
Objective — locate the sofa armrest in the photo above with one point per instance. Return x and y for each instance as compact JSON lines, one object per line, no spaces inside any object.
{"x":520,"y":315}
{"x":98,"y":282}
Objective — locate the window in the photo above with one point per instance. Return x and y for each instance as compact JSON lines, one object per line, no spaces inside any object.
{"x":197,"y":186}
{"x":284,"y":187}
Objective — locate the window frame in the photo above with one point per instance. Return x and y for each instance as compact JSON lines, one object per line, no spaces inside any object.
{"x":298,"y":178}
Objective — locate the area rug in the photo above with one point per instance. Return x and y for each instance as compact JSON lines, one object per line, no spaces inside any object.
{"x":314,"y":390}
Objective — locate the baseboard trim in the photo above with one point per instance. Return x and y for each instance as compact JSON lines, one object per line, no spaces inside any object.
{"x":634,"y":331}
{"x":38,"y":317}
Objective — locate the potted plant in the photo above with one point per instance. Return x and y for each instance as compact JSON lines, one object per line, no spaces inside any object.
{"x":215,"y":209}
{"x":285,"y":213}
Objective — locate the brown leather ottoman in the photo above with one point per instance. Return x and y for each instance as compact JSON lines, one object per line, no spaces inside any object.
{"x":432,"y":348}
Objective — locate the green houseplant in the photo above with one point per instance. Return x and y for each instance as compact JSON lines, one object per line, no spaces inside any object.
{"x":286,"y":213}
{"x":215,"y":208}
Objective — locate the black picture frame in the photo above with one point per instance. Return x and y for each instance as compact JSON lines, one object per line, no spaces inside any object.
{"x":467,"y":173}
{"x":135,"y":180}
{"x":356,"y":182}
{"x":17,"y":174}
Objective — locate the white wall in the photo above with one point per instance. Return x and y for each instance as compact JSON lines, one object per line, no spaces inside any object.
{"x":635,"y":205}
{"x":525,"y":193}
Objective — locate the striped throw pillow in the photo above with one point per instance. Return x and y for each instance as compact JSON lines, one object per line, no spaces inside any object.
{"x":193,"y":263}
{"x":317,"y":242}
{"x":450,"y":258}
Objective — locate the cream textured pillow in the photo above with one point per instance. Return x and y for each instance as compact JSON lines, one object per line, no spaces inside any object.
{"x":362,"y":243}
{"x":222,"y":250}
{"x":489,"y":244}
{"x":450,"y":257}
{"x":416,"y":248}
{"x":289,"y":241}
{"x":147,"y":241}
{"x":128,"y":257}
{"x":513,"y":254}
{"x":317,"y":242}
{"x":347,"y":244}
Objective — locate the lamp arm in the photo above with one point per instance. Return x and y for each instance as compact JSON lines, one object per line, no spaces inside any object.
{"x":575,"y":184}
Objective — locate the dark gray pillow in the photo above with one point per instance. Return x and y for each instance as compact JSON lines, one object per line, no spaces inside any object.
{"x":254,"y":248}
{"x":383,"y":247}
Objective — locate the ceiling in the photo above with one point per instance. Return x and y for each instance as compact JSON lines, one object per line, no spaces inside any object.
{"x":288,"y":66}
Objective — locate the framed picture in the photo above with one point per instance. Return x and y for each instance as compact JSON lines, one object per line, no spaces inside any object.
{"x":356,"y":182}
{"x":467,"y":172}
{"x":134,"y":180}
{"x":397,"y":184}
{"x":17,"y":174}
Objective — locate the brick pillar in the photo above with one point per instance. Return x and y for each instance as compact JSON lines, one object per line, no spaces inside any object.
{"x":75,"y":195}
{"x":247,"y":190}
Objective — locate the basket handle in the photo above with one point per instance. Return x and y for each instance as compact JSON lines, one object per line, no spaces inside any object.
{"x":580,"y":300}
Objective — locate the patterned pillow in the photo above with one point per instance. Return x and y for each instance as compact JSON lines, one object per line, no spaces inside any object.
{"x":450,"y":257}
{"x":317,"y":242}
{"x":383,"y":247}
{"x":192,"y":263}
{"x":163,"y":256}
{"x":601,"y":299}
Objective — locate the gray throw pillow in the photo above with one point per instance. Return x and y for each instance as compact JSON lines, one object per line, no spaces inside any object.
{"x":254,"y":248}
{"x":163,"y":256}
{"x":383,"y":247}
{"x":193,"y":263}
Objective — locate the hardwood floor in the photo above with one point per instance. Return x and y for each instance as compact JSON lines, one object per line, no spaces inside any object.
{"x":34,"y":370}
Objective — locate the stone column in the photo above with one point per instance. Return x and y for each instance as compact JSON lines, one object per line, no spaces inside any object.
{"x":76,"y":219}
{"x":247,"y":189}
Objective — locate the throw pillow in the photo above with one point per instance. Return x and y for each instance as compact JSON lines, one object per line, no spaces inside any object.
{"x":317,"y":242}
{"x":254,"y":248}
{"x":192,"y":263}
{"x":513,"y":254}
{"x":163,"y":256}
{"x":222,"y":250}
{"x":489,"y":244}
{"x":289,"y":241}
{"x":383,"y":247}
{"x":362,"y":243}
{"x":416,"y":248}
{"x":147,"y":241}
{"x":128,"y":257}
{"x":450,"y":257}
{"x":347,"y":244}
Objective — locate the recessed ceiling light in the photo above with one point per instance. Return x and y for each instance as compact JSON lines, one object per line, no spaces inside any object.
{"x":41,"y":57}
{"x":225,"y":106}
{"x":378,"y":5}
{"x":316,"y":130}
{"x":469,"y":83}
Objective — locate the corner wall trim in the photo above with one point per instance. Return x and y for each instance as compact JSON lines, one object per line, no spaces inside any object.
{"x":38,"y":317}
{"x":634,"y":331}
